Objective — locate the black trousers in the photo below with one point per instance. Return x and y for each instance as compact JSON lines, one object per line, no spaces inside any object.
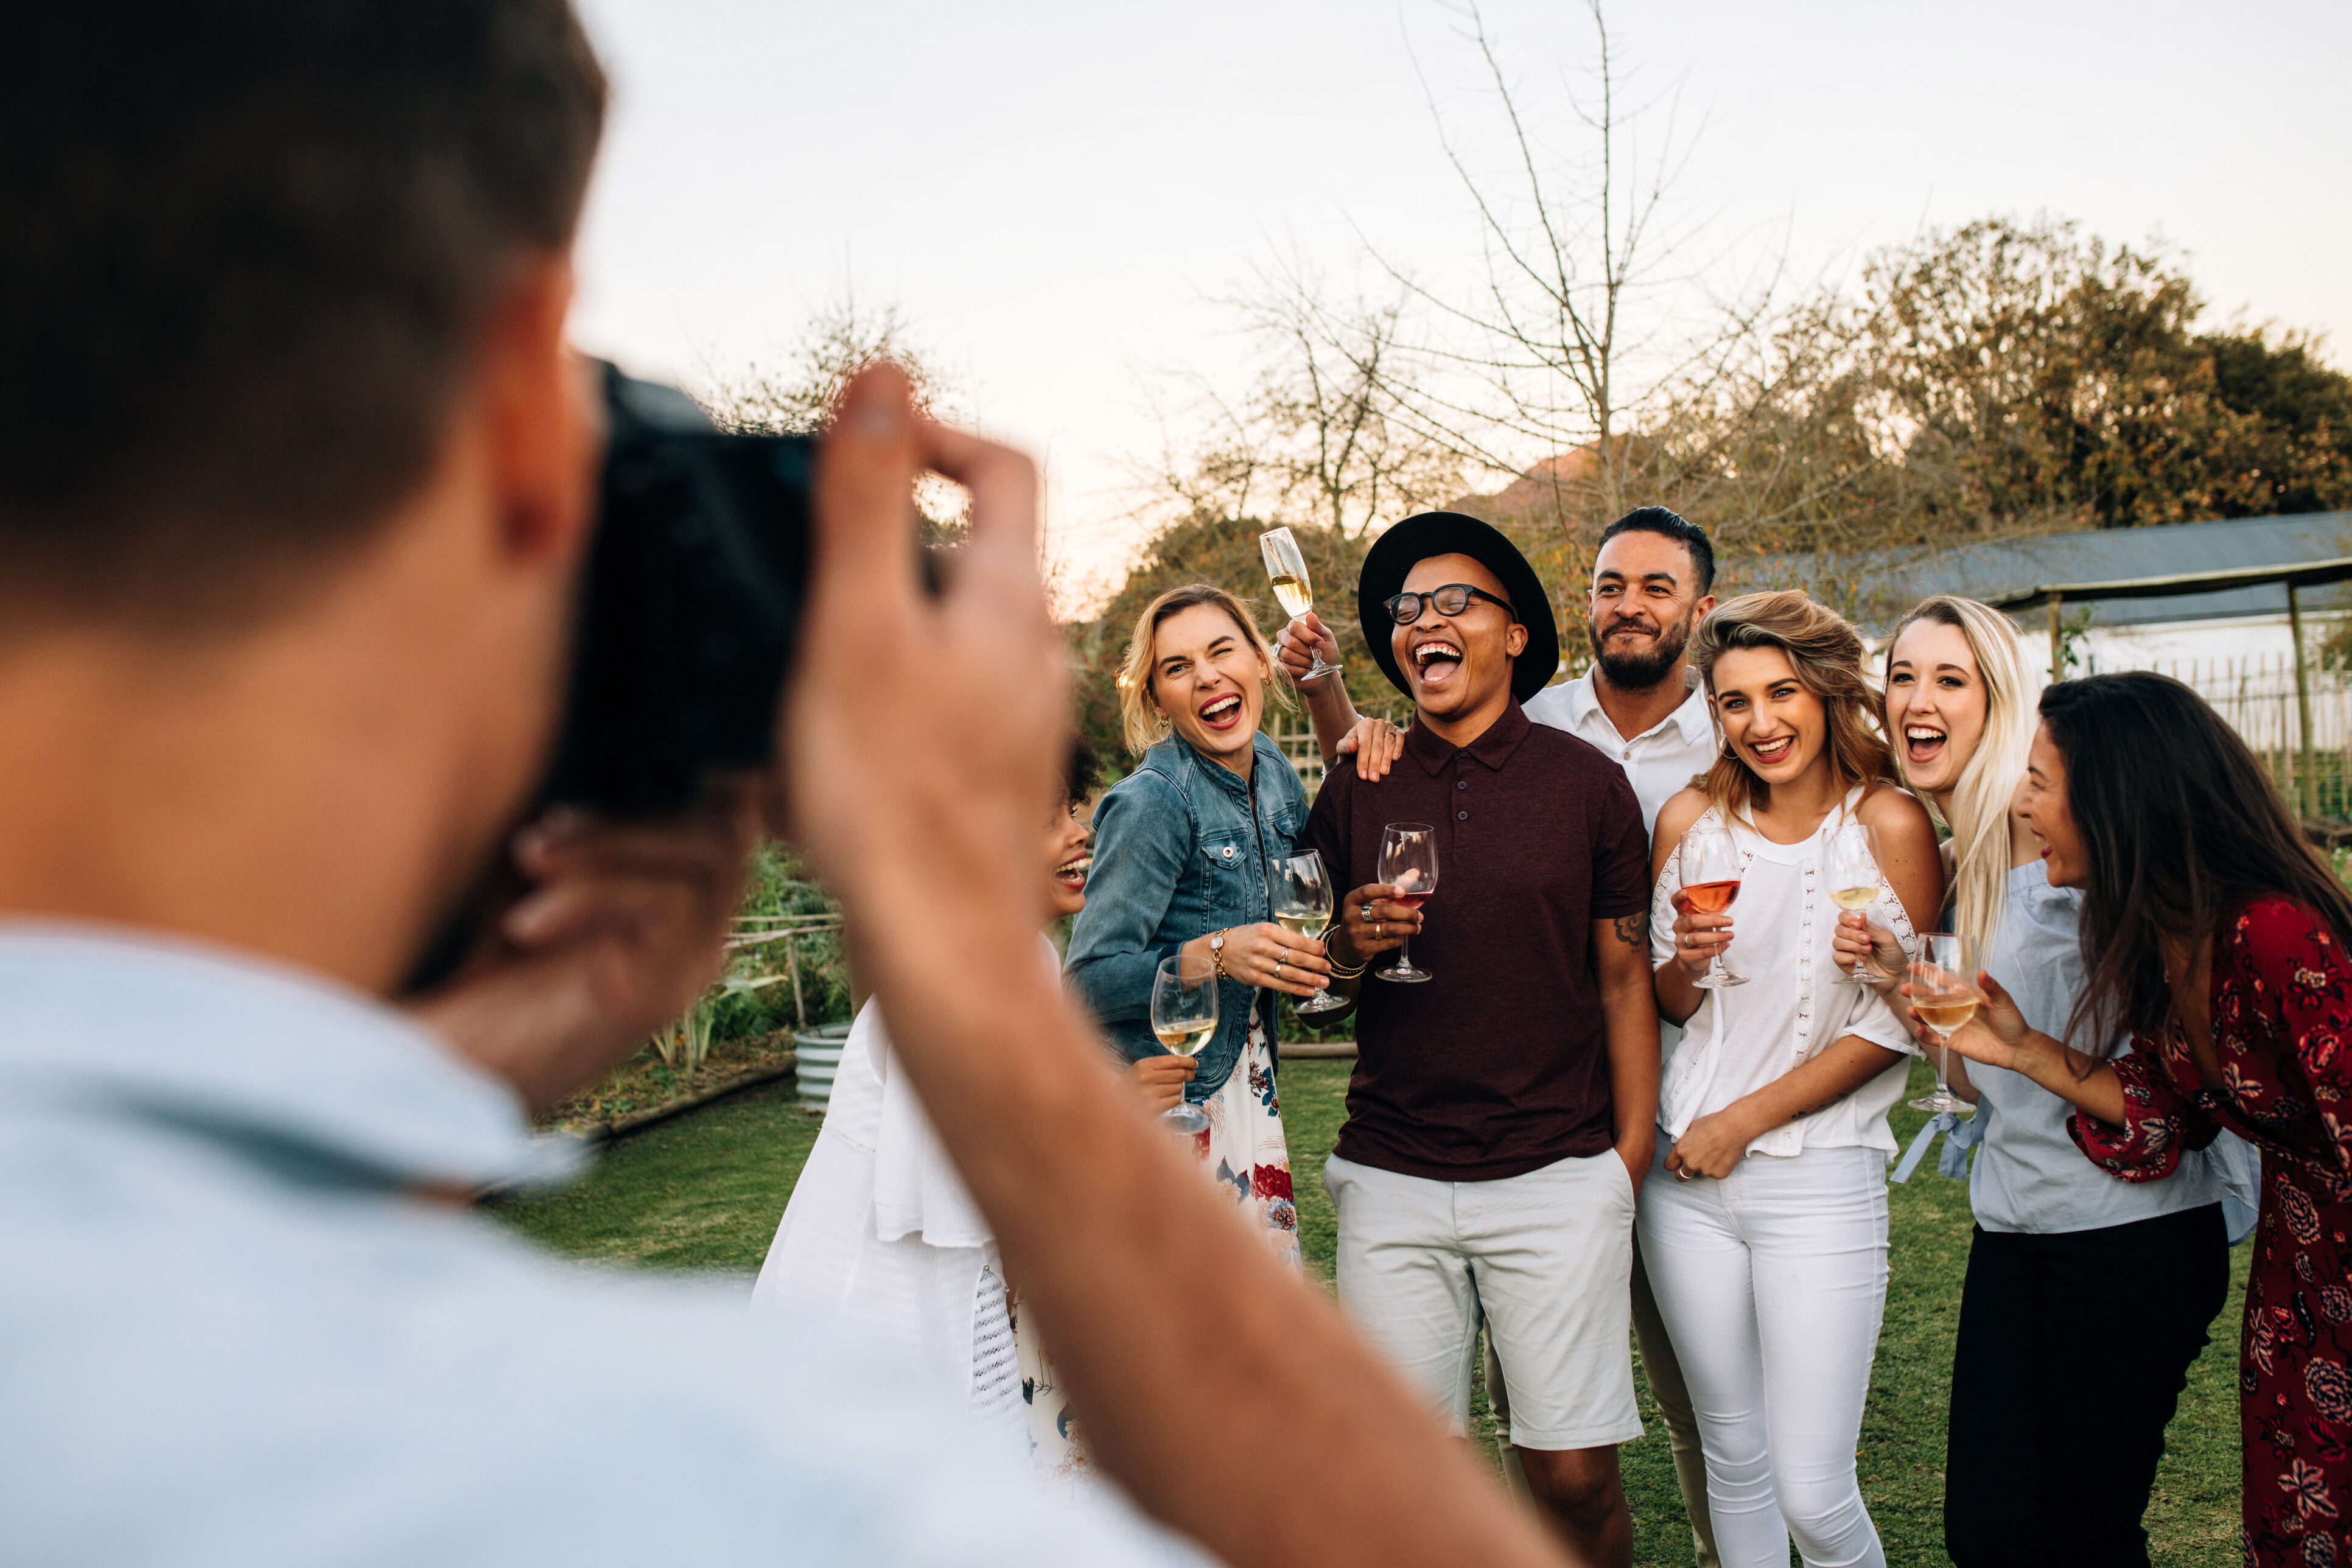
{"x":2073,"y":1349}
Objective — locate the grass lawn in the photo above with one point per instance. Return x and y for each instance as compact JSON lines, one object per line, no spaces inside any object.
{"x":704,"y":1192}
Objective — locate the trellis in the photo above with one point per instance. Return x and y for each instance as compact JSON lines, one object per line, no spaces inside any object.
{"x":2304,"y":780}
{"x":685,"y":1042}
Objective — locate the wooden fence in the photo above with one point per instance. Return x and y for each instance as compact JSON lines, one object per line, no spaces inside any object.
{"x":2256,"y":696}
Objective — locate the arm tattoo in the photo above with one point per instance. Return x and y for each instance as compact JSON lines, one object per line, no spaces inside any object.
{"x":1824,"y":1105}
{"x":1634,"y":930}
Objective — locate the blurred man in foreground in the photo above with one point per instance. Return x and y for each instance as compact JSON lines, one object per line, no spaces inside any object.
{"x":294,"y":480}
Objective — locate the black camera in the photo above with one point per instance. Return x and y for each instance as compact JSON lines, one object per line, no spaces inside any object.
{"x":690,"y":607}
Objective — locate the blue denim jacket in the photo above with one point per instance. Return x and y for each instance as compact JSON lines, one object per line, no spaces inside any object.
{"x":1179,"y":854}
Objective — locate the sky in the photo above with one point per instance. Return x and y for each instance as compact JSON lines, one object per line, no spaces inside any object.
{"x":1059,"y":193}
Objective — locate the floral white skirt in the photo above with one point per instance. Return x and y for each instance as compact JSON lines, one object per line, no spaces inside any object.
{"x":1245,"y":1154}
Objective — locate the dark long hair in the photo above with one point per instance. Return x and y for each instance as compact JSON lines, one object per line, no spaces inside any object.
{"x":2180,"y":825}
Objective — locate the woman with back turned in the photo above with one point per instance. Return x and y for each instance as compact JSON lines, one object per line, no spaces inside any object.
{"x":2215,"y":935}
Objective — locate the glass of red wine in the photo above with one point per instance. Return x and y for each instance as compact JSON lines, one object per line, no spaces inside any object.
{"x":1408,"y":863}
{"x":1711,"y":866}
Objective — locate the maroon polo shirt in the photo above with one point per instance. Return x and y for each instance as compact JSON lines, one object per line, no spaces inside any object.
{"x":1499,"y":1065}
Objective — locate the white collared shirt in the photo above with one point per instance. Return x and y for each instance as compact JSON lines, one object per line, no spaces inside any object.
{"x":1659,"y":761}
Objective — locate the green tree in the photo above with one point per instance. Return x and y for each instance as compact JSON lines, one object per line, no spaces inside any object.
{"x":1210,"y":548}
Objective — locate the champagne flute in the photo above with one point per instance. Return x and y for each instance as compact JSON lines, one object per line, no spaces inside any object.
{"x":1711,"y":868}
{"x":1944,"y":996}
{"x":1851,"y":869}
{"x":1302,"y":904}
{"x":1408,"y":863}
{"x":1286,"y":567}
{"x":1183,"y":1017}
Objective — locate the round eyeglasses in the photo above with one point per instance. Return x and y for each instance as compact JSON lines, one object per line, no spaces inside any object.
{"x":1447,"y":598}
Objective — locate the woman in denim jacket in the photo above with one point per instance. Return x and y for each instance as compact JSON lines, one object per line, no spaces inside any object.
{"x":1185,"y":849}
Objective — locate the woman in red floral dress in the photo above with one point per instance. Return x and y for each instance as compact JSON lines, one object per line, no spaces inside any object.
{"x":2214,"y":933}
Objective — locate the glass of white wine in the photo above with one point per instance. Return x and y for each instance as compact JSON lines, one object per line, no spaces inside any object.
{"x":1183,"y":1017}
{"x":1851,"y":869}
{"x":1302,"y":904}
{"x":1944,"y":994}
{"x":1286,"y":567}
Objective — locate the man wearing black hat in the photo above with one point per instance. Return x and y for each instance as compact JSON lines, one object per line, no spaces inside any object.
{"x":1502,"y":1113}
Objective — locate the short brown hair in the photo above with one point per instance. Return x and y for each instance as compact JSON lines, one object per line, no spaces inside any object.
{"x":1826,"y":651}
{"x":251,"y":245}
{"x":1143,"y":728}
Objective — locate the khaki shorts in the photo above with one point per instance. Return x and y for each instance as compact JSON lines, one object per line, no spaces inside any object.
{"x":1545,"y":1260}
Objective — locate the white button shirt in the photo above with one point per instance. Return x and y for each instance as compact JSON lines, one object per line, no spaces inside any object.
{"x":1659,"y":761}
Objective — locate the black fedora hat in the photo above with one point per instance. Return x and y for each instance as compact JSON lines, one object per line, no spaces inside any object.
{"x":1416,"y":539}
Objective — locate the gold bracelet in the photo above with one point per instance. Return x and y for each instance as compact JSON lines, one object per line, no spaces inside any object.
{"x":1341,"y":972}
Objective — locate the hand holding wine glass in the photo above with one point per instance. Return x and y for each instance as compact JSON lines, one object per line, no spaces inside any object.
{"x":1711,"y":866}
{"x":1304,"y":643}
{"x":1183,"y":1017}
{"x":1943,"y":998}
{"x":1998,"y":1036}
{"x":1302,"y":905}
{"x":1408,"y":863}
{"x":1850,"y":868}
{"x":1285,"y":568}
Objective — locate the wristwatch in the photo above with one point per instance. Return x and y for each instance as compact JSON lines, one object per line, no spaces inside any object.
{"x":1217,"y":951}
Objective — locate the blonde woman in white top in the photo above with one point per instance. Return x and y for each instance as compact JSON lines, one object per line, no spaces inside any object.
{"x":1764,"y":1224}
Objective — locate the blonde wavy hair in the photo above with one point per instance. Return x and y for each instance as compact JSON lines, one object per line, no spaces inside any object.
{"x":1978,"y":821}
{"x":1826,"y":651}
{"x":1141,"y":727}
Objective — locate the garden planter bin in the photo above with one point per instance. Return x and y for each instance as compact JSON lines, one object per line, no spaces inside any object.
{"x":818,"y":1055}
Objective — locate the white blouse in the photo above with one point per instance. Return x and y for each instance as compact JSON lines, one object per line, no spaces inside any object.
{"x":1745,"y":1037}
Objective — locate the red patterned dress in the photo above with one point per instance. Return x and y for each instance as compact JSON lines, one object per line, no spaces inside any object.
{"x":2281,"y":1001}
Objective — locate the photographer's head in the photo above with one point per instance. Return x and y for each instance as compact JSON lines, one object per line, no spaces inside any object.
{"x":294,"y":467}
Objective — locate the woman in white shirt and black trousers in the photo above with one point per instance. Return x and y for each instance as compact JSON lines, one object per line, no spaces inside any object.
{"x":1766,"y":1224}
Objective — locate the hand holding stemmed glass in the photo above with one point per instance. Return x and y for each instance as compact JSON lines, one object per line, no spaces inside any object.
{"x":1381,"y":917}
{"x":1864,"y":954}
{"x":1942,"y":997}
{"x":1711,"y":866}
{"x":1183,"y":1017}
{"x":1302,"y":905}
{"x":1285,"y":569}
{"x":1408,"y":865}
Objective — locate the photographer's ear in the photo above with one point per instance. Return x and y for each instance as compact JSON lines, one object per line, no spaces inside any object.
{"x":541,"y":415}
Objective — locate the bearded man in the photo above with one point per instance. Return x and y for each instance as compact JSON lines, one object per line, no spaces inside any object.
{"x":1651,"y":583}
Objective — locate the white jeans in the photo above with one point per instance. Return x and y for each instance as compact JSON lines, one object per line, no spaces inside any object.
{"x":1771,"y":1282}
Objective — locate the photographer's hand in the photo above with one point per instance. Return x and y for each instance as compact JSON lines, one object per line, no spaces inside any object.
{"x":921,"y":735}
{"x":620,"y":929}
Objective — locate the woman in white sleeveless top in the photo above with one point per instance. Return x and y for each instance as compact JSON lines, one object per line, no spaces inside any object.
{"x":1765,"y":1221}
